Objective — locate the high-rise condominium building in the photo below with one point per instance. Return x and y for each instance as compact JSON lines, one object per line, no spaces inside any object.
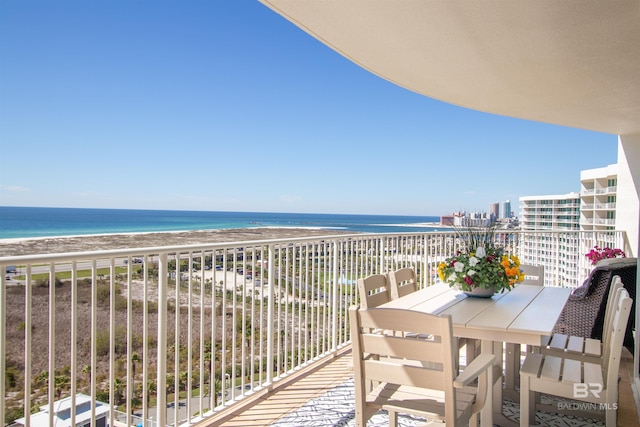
{"x":598,"y":196}
{"x":556,"y":212}
{"x":559,"y":253}
{"x":593,"y":209}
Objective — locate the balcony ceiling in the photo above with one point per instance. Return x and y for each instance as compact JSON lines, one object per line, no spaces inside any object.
{"x":573,"y":63}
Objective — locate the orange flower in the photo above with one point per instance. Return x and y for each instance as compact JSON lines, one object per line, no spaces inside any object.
{"x":505,"y":262}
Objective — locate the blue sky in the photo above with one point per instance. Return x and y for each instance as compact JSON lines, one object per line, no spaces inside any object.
{"x":224,"y":105}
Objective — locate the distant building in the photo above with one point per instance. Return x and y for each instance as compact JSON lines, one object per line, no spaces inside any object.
{"x":506,"y":209}
{"x":556,"y":212}
{"x":62,"y":413}
{"x":494,"y":211}
{"x":547,"y":213}
{"x":598,"y":195}
{"x":475,"y":219}
{"x":447,"y":220}
{"x":593,"y":209}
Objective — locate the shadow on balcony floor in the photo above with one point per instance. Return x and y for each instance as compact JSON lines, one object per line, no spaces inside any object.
{"x":335,"y":408}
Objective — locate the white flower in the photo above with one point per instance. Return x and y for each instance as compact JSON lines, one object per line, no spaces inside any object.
{"x":451,"y":278}
{"x":473,"y":261}
{"x":480,"y":252}
{"x":471,"y":272}
{"x":458,"y":266}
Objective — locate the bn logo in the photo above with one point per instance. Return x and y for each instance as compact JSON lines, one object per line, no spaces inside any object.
{"x":582,"y":390}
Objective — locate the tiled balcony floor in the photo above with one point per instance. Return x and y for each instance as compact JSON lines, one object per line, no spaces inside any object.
{"x":324,"y":397}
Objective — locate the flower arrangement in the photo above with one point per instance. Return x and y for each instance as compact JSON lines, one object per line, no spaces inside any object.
{"x":481,"y":265}
{"x":596,"y":254}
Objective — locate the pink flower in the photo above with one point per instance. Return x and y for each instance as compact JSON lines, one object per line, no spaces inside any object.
{"x":597,"y":254}
{"x":468,"y":280}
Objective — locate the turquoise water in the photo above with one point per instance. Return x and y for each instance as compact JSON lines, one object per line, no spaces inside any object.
{"x":21,"y":222}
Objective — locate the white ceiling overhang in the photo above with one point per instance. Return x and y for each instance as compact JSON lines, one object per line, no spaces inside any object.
{"x":571,"y":62}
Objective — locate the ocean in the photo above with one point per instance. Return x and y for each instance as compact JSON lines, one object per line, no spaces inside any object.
{"x":25,"y":222}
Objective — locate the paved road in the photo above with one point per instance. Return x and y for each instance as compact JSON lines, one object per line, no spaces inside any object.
{"x":44,"y":269}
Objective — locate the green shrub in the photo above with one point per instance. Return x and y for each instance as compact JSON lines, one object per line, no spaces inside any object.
{"x":12,"y":414}
{"x":102,"y":341}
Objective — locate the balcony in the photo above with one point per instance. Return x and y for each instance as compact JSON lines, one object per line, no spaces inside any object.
{"x":229,"y":325}
{"x":606,"y":190}
{"x":605,"y":206}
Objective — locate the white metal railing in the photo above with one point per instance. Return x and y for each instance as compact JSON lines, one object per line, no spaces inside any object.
{"x":174,"y":334}
{"x":604,"y":190}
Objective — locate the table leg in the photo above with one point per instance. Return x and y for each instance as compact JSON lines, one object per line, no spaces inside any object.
{"x":512,"y":371}
{"x":486,"y":415}
{"x":497,"y":386}
{"x":492,"y":412}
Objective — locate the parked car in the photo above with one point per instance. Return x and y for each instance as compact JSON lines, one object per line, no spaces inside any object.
{"x":11,"y":269}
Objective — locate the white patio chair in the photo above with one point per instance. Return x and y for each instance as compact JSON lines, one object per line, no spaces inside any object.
{"x":585,"y":348}
{"x":414,"y":376}
{"x":595,"y":383}
{"x":402,"y":282}
{"x":374,"y":290}
{"x":533,"y":274}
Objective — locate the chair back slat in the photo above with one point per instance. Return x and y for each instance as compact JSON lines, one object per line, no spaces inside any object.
{"x":405,"y":374}
{"x":408,"y":321}
{"x":399,"y":347}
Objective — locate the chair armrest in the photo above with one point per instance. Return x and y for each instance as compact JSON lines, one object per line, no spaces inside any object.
{"x":483,"y":362}
{"x":481,"y":368}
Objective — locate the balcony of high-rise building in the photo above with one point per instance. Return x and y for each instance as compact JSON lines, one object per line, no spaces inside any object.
{"x":175,"y":340}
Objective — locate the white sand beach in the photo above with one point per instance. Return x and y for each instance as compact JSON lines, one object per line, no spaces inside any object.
{"x":63,"y":244}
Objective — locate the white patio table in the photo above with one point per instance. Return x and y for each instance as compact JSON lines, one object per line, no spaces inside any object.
{"x":524,"y":315}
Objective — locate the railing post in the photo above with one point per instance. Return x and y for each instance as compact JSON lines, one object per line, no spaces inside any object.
{"x":94,"y":329}
{"x":52,"y":342}
{"x":426,"y":254}
{"x":112,"y":337}
{"x":27,"y":341}
{"x":3,"y":339}
{"x":145,"y":340}
{"x":161,"y":380}
{"x":74,"y":339}
{"x":270,"y":320}
{"x":334,"y":303}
